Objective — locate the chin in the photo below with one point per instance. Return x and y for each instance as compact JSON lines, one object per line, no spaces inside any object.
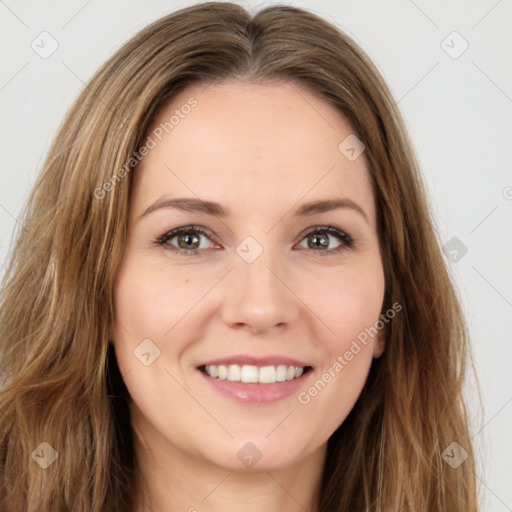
{"x":260,"y":454}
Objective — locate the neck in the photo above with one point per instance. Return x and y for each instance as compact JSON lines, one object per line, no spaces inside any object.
{"x":171,"y":480}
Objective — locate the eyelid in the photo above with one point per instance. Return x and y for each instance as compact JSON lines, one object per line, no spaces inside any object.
{"x":162,"y":239}
{"x":324,"y":228}
{"x":346,"y":240}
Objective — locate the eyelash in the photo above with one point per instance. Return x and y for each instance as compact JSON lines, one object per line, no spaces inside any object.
{"x":346,"y":239}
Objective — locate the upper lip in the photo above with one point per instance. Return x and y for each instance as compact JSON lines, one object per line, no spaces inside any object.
{"x":255,"y":361}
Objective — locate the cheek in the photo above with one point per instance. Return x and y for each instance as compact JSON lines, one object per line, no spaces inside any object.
{"x":349,"y":306}
{"x":149,"y":302}
{"x":334,"y":391}
{"x":348,"y":303}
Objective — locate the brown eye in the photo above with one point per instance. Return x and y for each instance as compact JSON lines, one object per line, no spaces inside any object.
{"x":321,"y":239}
{"x":188,"y":241}
{"x":184,"y":240}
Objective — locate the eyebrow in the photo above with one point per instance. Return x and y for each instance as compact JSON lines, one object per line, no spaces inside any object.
{"x":212,"y":208}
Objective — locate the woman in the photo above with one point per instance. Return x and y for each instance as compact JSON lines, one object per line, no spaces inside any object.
{"x":228,"y":292}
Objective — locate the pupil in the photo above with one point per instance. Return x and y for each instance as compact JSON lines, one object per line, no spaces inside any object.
{"x":322,"y":239}
{"x":186,"y":239}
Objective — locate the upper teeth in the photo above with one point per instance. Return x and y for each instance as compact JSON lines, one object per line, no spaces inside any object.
{"x":255,"y":374}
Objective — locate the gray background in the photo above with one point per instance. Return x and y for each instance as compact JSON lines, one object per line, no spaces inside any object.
{"x":457,"y":105}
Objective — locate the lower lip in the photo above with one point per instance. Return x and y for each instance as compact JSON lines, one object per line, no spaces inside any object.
{"x":257,"y":393}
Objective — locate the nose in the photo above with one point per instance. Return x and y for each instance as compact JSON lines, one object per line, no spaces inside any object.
{"x":259,"y":295}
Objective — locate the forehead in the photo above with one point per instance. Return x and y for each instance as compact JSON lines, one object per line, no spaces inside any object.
{"x":250,"y":144}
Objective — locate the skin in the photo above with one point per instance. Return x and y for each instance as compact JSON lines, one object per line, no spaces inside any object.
{"x":261,"y":151}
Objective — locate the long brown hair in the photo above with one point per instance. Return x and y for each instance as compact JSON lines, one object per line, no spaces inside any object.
{"x":60,"y":384}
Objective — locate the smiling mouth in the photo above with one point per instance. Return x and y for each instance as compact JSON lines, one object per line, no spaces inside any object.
{"x":251,"y":374}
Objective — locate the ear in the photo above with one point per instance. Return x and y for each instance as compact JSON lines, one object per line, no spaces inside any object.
{"x":379,"y":345}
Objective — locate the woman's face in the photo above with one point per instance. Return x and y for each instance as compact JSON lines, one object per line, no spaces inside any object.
{"x":284,"y":272}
